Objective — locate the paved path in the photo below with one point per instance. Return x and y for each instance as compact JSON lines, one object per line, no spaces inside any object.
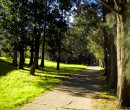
{"x":79,"y":92}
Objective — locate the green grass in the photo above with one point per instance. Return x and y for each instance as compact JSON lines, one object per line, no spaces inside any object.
{"x":108,"y":92}
{"x":101,"y":68}
{"x":17,"y":87}
{"x":108,"y":100}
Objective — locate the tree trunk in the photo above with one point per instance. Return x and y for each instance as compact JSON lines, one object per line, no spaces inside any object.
{"x":58,"y":62}
{"x":109,"y":56}
{"x":59,"y":51}
{"x":31,"y":55}
{"x":106,"y":46}
{"x":120,"y":62}
{"x":14,"y":62}
{"x":43,"y":48}
{"x":113,"y":65}
{"x":106,"y":55}
{"x":44,"y":39}
{"x":35,"y":62}
{"x":120,"y":8}
{"x":21,"y":59}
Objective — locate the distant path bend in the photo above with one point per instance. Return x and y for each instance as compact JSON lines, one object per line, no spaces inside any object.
{"x":79,"y":92}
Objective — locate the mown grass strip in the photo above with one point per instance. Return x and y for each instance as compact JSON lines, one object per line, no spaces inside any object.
{"x":17,"y":87}
{"x":108,"y":100}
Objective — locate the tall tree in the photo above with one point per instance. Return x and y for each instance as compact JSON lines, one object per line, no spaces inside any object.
{"x":37,"y":10}
{"x":120,"y":10}
{"x":44,"y":33}
{"x":111,"y":27}
{"x":13,"y":21}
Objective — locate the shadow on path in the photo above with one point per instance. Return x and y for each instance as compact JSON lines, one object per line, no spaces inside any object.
{"x":86,"y":84}
{"x":79,"y":92}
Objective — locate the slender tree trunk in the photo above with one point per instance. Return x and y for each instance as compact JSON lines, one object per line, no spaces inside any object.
{"x":31,"y":55}
{"x":35,"y":62}
{"x":122,"y":86}
{"x":14,"y":62}
{"x":43,"y":48}
{"x":113,"y":72}
{"x":58,"y":61}
{"x":106,"y":59}
{"x":21,"y":59}
{"x":106,"y":42}
{"x":44,"y":40}
{"x":59,"y":51}
{"x":89,"y":59}
{"x":120,"y":62}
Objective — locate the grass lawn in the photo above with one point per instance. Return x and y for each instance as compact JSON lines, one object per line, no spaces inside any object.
{"x":17,"y":87}
{"x":108,"y":100}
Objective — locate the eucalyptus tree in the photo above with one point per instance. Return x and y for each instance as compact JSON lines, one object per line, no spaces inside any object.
{"x":36,"y":8}
{"x":56,"y":30}
{"x":111,"y":30}
{"x":22,"y":13}
{"x":46,"y":3}
{"x":120,"y":8}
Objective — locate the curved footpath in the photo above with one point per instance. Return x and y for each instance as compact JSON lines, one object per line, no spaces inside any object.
{"x":79,"y":92}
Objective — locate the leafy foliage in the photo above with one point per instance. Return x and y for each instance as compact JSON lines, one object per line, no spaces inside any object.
{"x":95,"y":44}
{"x":127,"y":47}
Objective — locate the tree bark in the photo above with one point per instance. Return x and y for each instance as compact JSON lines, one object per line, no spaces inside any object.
{"x":120,"y":61}
{"x":44,"y":40}
{"x":14,"y":62}
{"x":108,"y":52}
{"x":35,"y":62}
{"x":105,"y":52}
{"x":106,"y":46}
{"x":59,"y":51}
{"x":43,"y":48}
{"x":122,"y":86}
{"x":31,"y":55}
{"x":113,"y":65}
{"x":21,"y":59}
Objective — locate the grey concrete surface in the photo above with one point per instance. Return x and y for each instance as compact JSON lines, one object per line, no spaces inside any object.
{"x":78,"y":92}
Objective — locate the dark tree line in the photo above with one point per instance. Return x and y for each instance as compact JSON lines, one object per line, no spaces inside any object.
{"x":32,"y":22}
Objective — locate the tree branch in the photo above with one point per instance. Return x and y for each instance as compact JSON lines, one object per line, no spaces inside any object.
{"x":117,"y":3}
{"x":110,"y":7}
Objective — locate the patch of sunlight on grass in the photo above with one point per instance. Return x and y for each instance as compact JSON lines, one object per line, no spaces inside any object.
{"x":106,"y":109}
{"x":107,"y":92}
{"x":17,"y":87}
{"x":108,"y":100}
{"x":100,"y":68}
